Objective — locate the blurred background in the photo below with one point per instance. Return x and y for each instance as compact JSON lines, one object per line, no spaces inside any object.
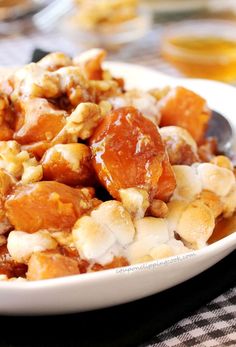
{"x":195,"y":38}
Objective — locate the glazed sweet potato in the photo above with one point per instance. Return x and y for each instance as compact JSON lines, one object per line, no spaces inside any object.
{"x":39,"y":120}
{"x":167,"y":182}
{"x":44,"y":265}
{"x":69,"y":164}
{"x":184,"y":108}
{"x":46,"y":205}
{"x":128,"y":152}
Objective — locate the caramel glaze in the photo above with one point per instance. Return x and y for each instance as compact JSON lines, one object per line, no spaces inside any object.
{"x":223,"y":228}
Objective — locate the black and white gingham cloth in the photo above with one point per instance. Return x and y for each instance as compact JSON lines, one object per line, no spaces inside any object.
{"x":213,"y":325}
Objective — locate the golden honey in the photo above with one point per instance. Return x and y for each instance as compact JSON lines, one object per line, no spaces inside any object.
{"x":223,"y":228}
{"x":211,"y":57}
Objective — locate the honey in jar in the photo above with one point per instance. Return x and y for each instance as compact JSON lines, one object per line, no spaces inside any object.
{"x":203,"y":49}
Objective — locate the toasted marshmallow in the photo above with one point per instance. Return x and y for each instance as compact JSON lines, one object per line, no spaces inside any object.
{"x":153,"y":228}
{"x":196,"y":224}
{"x":150,"y":233}
{"x":143,"y":101}
{"x":153,"y":241}
{"x":91,"y":239}
{"x":176,"y":133}
{"x":177,"y":246}
{"x":213,"y":201}
{"x":105,"y":234}
{"x":175,"y":210}
{"x":188,"y":184}
{"x":112,"y":215}
{"x":215,"y":178}
{"x":162,"y":251}
{"x":22,"y":245}
{"x":135,"y":200}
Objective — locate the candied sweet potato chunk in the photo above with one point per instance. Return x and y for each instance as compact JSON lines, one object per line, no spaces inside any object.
{"x":116,"y":262}
{"x":44,"y":265}
{"x":5,"y":132}
{"x":69,"y":164}
{"x":46,"y":205}
{"x":167,"y":182}
{"x":127,"y":152}
{"x":42,"y":121}
{"x":184,"y":108}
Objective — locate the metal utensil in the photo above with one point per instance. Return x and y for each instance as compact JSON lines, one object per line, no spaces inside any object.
{"x":46,"y":19}
{"x":221,"y":128}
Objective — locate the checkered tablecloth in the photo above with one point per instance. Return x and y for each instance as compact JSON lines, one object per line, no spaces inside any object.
{"x":212,"y":325}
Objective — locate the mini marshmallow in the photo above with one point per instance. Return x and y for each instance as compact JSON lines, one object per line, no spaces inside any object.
{"x":111,"y":215}
{"x":151,"y":236}
{"x":175,"y":209}
{"x":154,"y":228}
{"x":215,"y":178}
{"x":22,"y":245}
{"x":104,"y":235}
{"x":196,"y":224}
{"x":91,"y":240}
{"x":143,"y":101}
{"x":180,"y":134}
{"x":135,"y":200}
{"x":188,"y":184}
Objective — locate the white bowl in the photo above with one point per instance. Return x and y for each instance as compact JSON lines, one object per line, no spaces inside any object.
{"x":111,"y":287}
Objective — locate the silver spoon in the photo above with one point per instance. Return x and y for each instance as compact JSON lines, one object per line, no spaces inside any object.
{"x":220,"y":128}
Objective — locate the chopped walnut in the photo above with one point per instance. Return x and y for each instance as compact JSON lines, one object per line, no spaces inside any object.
{"x":6,"y":182}
{"x":18,"y":163}
{"x":55,"y":61}
{"x":103,"y":89}
{"x":32,"y":171}
{"x":80,"y":124}
{"x":73,"y":83}
{"x":158,"y":208}
{"x":33,"y":80}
